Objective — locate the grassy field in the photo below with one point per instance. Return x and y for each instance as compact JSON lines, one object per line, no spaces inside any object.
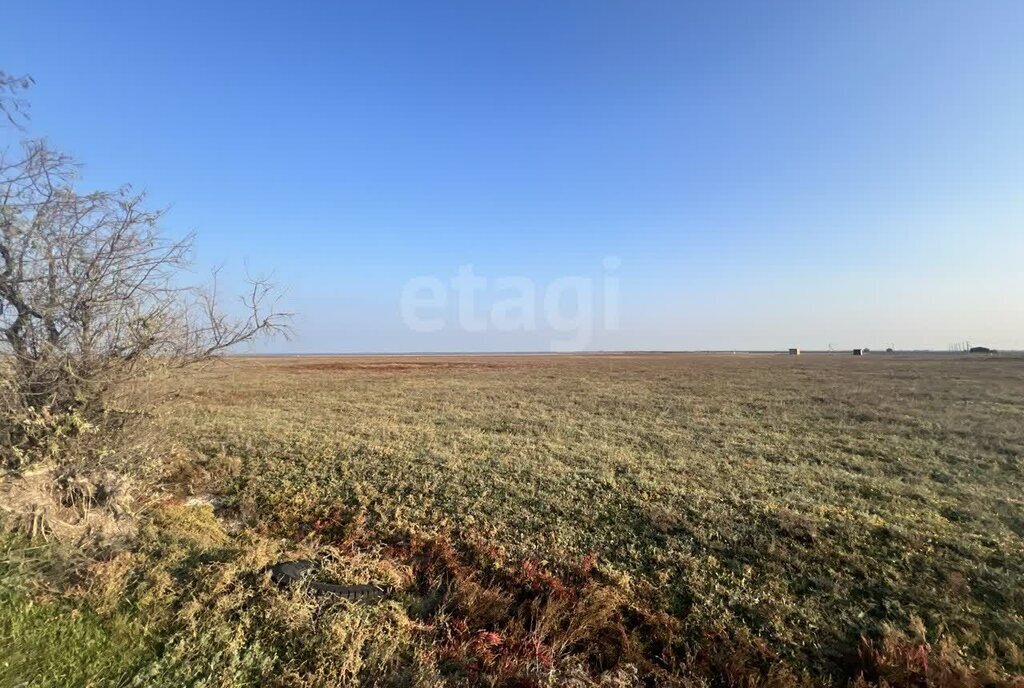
{"x":796,"y":504}
{"x":810,"y":499}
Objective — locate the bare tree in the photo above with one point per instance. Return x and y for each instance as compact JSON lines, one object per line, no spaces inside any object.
{"x":91,"y":292}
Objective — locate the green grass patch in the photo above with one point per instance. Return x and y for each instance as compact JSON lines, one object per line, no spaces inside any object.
{"x":48,"y":641}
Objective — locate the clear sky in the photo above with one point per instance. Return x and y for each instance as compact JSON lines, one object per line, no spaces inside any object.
{"x":728,"y":175}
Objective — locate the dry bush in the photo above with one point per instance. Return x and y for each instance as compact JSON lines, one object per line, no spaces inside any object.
{"x":94,"y":316}
{"x":93,"y":307}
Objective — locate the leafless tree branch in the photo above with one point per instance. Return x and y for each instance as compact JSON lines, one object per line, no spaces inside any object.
{"x":12,"y":106}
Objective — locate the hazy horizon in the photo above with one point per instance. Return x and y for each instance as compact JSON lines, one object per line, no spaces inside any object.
{"x":740,"y":176}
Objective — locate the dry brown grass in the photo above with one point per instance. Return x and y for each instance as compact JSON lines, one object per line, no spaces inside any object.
{"x":807,"y":501}
{"x":600,"y":520}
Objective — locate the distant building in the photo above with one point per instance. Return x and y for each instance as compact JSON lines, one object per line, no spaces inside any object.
{"x":794,"y":352}
{"x":981,"y":350}
{"x":858,"y":352}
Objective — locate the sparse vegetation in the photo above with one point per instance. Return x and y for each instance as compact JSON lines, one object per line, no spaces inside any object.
{"x":606,"y":520}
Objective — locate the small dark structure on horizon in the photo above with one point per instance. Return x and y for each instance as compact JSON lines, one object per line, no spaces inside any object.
{"x":981,"y":350}
{"x":859,"y":352}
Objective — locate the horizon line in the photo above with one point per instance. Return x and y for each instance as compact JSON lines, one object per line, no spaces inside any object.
{"x":896,"y":352}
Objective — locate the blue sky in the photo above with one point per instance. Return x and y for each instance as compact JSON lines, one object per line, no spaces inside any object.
{"x":766,"y":174}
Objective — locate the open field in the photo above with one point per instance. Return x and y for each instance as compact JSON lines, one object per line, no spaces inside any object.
{"x":799,"y":503}
{"x":810,"y":499}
